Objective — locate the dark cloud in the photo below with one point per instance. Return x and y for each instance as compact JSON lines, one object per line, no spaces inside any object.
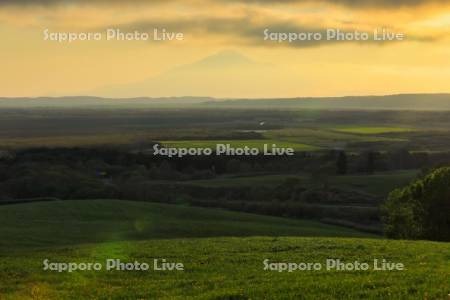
{"x":244,"y":31}
{"x":76,"y":2}
{"x":351,"y":3}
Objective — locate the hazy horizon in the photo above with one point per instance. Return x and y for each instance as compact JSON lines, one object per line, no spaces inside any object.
{"x":227,"y":50}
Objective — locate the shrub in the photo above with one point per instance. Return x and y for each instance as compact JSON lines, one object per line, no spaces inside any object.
{"x":420,"y":210}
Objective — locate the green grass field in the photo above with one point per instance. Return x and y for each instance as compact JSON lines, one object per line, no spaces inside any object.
{"x":89,"y":221}
{"x":372,"y":130}
{"x":259,"y":144}
{"x":222,"y":252}
{"x":329,"y":136}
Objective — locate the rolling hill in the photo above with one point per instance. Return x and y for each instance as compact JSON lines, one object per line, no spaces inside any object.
{"x":223,"y":254}
{"x":60,"y":223}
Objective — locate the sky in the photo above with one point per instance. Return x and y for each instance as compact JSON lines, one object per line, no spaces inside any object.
{"x":224,"y":52}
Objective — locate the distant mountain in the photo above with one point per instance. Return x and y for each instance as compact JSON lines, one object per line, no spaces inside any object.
{"x":223,"y":59}
{"x":201,"y":78}
{"x":390,"y":102}
{"x":97,"y":102}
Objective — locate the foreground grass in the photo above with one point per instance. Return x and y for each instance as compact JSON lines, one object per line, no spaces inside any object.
{"x":232,"y":268}
{"x":217,"y":265}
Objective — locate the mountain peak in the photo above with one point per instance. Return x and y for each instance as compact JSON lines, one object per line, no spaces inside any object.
{"x":224,"y":58}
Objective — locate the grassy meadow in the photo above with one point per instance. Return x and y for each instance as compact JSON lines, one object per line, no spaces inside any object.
{"x":89,"y":221}
{"x":222,"y":253}
{"x":372,"y":130}
{"x":258,"y":144}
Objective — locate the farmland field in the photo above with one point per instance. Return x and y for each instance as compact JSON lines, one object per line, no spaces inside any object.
{"x":304,"y":130}
{"x":216,"y":267}
{"x":372,"y":130}
{"x":259,"y":144}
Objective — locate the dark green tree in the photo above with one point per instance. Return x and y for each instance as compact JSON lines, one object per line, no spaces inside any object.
{"x":420,"y":210}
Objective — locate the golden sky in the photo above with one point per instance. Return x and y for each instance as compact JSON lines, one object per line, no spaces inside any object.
{"x":223,"y":53}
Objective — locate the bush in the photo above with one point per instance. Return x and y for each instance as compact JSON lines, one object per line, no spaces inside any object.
{"x":420,"y":210}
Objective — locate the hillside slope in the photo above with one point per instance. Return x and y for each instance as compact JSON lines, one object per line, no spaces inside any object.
{"x":90,"y":221}
{"x":233,"y":268}
{"x":216,"y":264}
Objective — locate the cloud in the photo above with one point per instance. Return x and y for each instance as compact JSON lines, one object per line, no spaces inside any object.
{"x":349,"y":3}
{"x":251,"y":31}
{"x":238,"y":23}
{"x":77,"y":2}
